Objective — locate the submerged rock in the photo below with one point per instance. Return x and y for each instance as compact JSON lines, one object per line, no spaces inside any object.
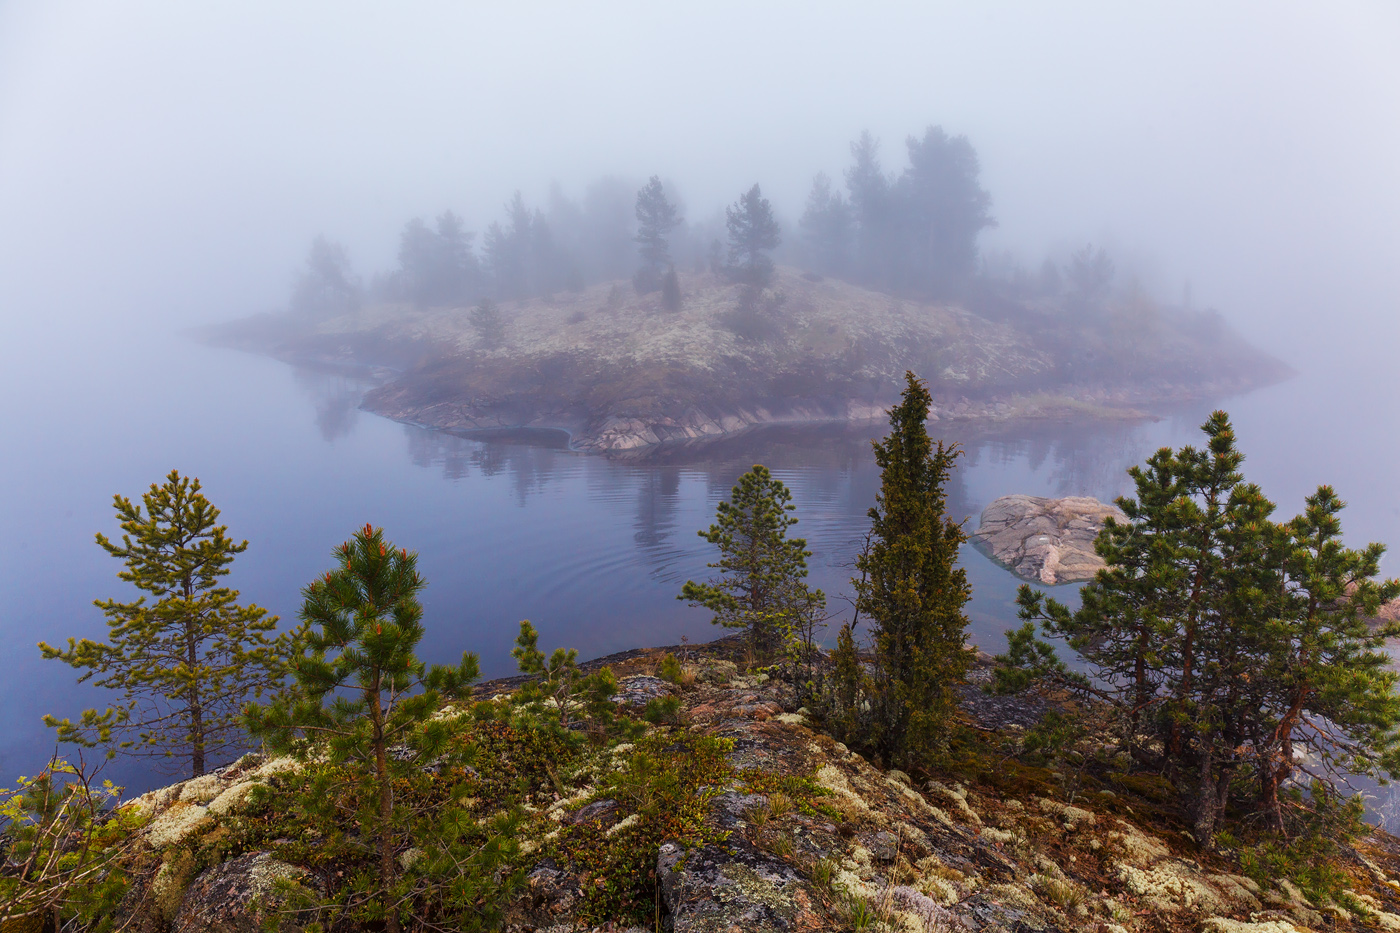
{"x":1047,"y":541}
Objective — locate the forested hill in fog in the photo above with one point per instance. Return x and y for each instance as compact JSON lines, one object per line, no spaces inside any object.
{"x":617,"y":319}
{"x":620,"y":371}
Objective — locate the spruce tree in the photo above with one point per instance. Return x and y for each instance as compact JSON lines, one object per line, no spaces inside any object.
{"x":761,"y":584}
{"x":656,"y":218}
{"x":361,"y":692}
{"x":186,"y":662}
{"x":912,"y":589}
{"x":753,"y":232}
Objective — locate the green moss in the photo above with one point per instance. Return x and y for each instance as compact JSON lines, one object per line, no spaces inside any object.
{"x":666,"y":783}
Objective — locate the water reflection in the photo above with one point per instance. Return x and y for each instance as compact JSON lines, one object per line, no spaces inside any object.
{"x":335,"y":397}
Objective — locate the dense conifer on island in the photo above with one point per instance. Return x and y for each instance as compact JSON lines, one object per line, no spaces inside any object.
{"x":186,"y":662}
{"x":360,"y":690}
{"x":753,"y":233}
{"x":760,"y":587}
{"x":656,"y":218}
{"x":827,"y":229}
{"x":912,"y":589}
{"x":1235,"y":647}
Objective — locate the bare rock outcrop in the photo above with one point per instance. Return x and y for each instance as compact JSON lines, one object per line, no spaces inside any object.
{"x":239,"y":896}
{"x":1047,"y":541}
{"x":1388,"y":614}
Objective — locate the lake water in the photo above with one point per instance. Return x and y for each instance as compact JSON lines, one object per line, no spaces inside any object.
{"x":593,"y":551}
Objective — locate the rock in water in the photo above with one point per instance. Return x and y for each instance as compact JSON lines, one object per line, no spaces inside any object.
{"x":1045,"y":541}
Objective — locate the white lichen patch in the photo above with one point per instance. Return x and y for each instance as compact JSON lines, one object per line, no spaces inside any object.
{"x":445,"y":713}
{"x":1014,"y":895}
{"x":1237,"y":888}
{"x":940,"y":891}
{"x":1073,"y":817}
{"x":1226,"y":925}
{"x":1136,"y":848}
{"x":621,"y":825}
{"x":850,"y":882}
{"x":1170,"y":887}
{"x":232,"y":798}
{"x":958,"y":797}
{"x":284,"y":765}
{"x":176,"y":824}
{"x":791,"y":719}
{"x":834,"y":780}
{"x":201,"y":789}
{"x":1005,"y":837}
{"x":153,"y":802}
{"x":558,"y":809}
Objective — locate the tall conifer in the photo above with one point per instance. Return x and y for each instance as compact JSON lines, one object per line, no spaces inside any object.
{"x":656,"y":218}
{"x":187,"y":662}
{"x":912,"y":588}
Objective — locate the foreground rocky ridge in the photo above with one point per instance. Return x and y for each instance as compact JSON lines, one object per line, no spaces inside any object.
{"x":804,"y":835}
{"x":621,"y":374}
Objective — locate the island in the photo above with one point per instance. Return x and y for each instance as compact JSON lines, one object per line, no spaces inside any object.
{"x":622,"y":374}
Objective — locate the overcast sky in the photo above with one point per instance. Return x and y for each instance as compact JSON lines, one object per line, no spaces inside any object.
{"x":178,"y":157}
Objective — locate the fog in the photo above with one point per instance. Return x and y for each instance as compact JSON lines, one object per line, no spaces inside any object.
{"x":167,"y":165}
{"x":170,"y":163}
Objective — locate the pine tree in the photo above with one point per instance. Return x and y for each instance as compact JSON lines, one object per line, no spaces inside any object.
{"x":656,"y":218}
{"x":760,"y":587}
{"x":912,"y":589}
{"x":1331,"y":687}
{"x":753,"y":232}
{"x":186,"y":662}
{"x":361,"y":691}
{"x":1228,"y":640}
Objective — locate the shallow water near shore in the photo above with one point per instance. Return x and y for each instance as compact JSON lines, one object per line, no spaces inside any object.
{"x":593,"y":551}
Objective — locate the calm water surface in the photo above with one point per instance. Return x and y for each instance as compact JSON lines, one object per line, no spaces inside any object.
{"x":592,"y":551}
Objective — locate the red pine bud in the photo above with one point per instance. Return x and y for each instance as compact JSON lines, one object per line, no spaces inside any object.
{"x":381,"y":550}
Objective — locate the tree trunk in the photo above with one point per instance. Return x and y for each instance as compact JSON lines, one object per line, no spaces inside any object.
{"x":196,"y":709}
{"x":386,"y":807}
{"x":1204,"y":828}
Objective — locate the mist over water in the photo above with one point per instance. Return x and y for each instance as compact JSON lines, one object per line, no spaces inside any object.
{"x":593,"y":551}
{"x":166,"y":166}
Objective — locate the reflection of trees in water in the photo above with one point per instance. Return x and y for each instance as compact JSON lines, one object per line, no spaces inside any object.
{"x":657,"y":497}
{"x":1075,"y":459}
{"x":336,"y":397}
{"x":529,"y":468}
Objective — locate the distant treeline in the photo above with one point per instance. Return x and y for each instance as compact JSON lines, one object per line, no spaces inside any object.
{"x":913,"y":233}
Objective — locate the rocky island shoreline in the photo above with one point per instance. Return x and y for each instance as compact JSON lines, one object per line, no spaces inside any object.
{"x":622,"y":375}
